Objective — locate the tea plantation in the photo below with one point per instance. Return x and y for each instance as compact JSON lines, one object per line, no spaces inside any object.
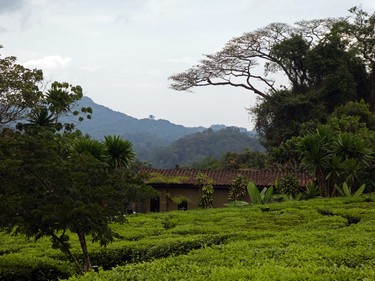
{"x":318,"y":239}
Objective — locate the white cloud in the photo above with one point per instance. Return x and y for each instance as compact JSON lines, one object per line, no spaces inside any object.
{"x":49,"y":62}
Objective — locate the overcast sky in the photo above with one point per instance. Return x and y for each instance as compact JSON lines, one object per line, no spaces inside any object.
{"x":123,"y":51}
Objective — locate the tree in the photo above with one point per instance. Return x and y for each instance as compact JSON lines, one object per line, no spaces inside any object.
{"x":249,"y":61}
{"x":325,"y":63}
{"x":280,"y":116}
{"x":22,"y":97}
{"x":340,"y":151}
{"x":207,"y":190}
{"x":331,"y":77}
{"x":19,"y":90}
{"x":237,"y":188}
{"x":121,"y":153}
{"x":54,"y":184}
{"x":51,"y":185}
{"x":361,"y":40}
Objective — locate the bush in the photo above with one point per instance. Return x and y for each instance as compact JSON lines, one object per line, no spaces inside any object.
{"x":288,"y":185}
{"x":151,"y":251}
{"x":19,"y":269}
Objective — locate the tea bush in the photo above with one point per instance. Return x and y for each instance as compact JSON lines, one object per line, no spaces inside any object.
{"x":289,"y":241}
{"x":318,"y":239}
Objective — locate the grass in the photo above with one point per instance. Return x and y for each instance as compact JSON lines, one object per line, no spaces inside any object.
{"x":320,"y":239}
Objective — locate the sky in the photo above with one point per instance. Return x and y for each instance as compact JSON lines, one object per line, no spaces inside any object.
{"x":122,"y":51}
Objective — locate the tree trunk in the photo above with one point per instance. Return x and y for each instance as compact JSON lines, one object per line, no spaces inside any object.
{"x":321,"y":182}
{"x":86,"y":258}
{"x":65,"y":249}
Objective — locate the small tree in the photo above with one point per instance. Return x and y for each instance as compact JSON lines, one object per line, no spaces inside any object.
{"x":288,"y":185}
{"x":238,"y":188}
{"x":49,"y":186}
{"x":53,"y":184}
{"x":207,"y":191}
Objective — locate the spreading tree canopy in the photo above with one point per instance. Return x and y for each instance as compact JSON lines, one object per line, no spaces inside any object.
{"x":300,"y":72}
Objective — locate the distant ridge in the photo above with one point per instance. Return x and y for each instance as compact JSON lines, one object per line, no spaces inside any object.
{"x":153,"y":140}
{"x":106,"y":121}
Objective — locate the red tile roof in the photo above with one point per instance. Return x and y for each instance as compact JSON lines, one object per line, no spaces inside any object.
{"x":224,"y":177}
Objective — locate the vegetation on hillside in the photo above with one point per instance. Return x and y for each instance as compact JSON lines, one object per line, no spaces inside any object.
{"x":196,"y":147}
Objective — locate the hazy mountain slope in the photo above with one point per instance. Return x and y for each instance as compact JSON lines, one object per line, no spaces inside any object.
{"x":151,"y":137}
{"x":195,"y":147}
{"x":106,"y":121}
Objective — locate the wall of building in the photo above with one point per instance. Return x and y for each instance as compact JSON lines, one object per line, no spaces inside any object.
{"x":192,"y":193}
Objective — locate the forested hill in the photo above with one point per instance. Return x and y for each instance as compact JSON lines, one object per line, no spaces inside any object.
{"x":153,"y":140}
{"x":209,"y":143}
{"x":106,"y":121}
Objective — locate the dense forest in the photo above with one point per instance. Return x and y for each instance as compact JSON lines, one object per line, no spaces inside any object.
{"x":194,"y":148}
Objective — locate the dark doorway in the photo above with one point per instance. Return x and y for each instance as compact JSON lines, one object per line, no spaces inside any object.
{"x":155,"y":204}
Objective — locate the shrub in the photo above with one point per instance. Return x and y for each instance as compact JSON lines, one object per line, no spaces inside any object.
{"x":288,"y":185}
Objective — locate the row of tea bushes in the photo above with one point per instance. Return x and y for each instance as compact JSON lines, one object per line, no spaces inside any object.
{"x":330,"y":239}
{"x":24,"y":268}
{"x":149,"y":238}
{"x":346,"y":253}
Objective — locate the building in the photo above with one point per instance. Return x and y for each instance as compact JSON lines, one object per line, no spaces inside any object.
{"x":179,"y":188}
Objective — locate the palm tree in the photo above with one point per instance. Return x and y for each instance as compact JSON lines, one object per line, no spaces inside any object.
{"x":39,"y":117}
{"x":121,"y":153}
{"x":315,"y":156}
{"x":355,"y":155}
{"x":90,"y":147}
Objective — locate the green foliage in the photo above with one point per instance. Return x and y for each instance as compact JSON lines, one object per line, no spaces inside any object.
{"x":311,"y":191}
{"x":50,"y":182}
{"x":41,"y":269}
{"x":290,"y":197}
{"x":90,"y":147}
{"x":288,"y":185}
{"x":207,"y":190}
{"x":333,"y":155}
{"x":159,"y":178}
{"x":121,"y":153}
{"x":280,"y":116}
{"x":346,"y":191}
{"x":233,"y":161}
{"x":236,"y":203}
{"x":19,"y":90}
{"x":317,"y":239}
{"x":259,"y":197}
{"x":197,"y":147}
{"x":180,"y":199}
{"x":357,"y":109}
{"x":238,"y":188}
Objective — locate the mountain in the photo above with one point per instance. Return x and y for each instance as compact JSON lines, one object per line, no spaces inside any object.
{"x":151,"y":137}
{"x":106,"y":121}
{"x":198,"y":146}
